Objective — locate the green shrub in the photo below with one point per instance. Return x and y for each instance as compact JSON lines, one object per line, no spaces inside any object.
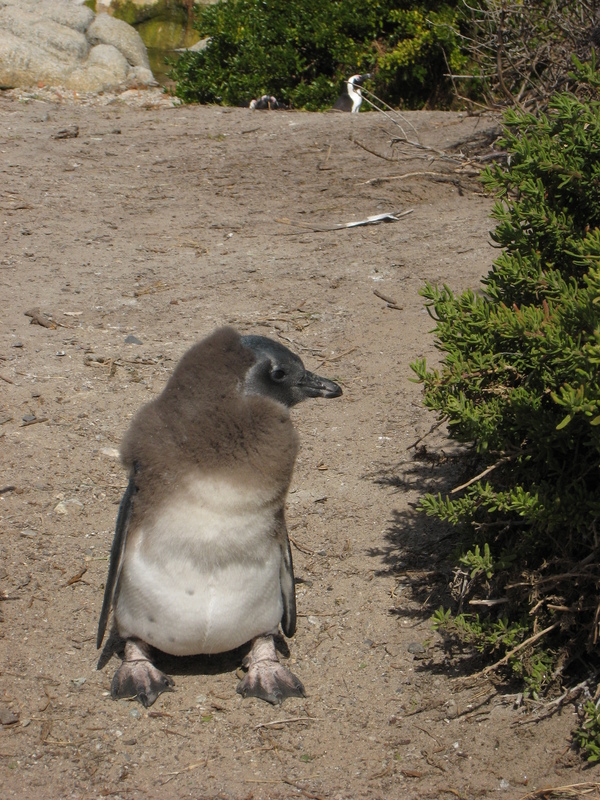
{"x":422,"y":46}
{"x":588,"y":736}
{"x":520,"y":383}
{"x":302,"y":51}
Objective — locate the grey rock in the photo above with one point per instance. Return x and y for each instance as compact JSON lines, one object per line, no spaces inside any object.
{"x":107,"y":56}
{"x":451,"y":709}
{"x":46,"y":34}
{"x":8,"y":716}
{"x":195,"y":48}
{"x":109,"y":30}
{"x":73,"y":15}
{"x":70,"y":132}
{"x":65,"y":12}
{"x":66,"y":506}
{"x":140,"y":76}
{"x":22,"y":64}
{"x":104,"y":67}
{"x":62,"y":43}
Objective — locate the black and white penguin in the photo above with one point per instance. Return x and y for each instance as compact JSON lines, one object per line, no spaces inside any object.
{"x":351,"y":98}
{"x":200,"y":562}
{"x":266,"y":102}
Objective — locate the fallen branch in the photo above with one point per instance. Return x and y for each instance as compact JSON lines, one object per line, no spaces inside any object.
{"x":176,"y":733}
{"x":34,"y":421}
{"x":335,"y":358}
{"x":556,"y":705}
{"x":301,"y":789}
{"x":77,"y":577}
{"x":481,"y":474}
{"x":498,"y":601}
{"x":300,"y":547}
{"x":386,"y":178}
{"x":441,"y":153}
{"x":284,"y":722}
{"x":390,"y":303}
{"x":366,"y":92}
{"x":571,"y":790}
{"x":375,"y":219}
{"x":90,"y":360}
{"x":505,"y":659}
{"x":373,"y":152}
{"x":552,"y":579}
{"x":39,"y":318}
{"x":188,"y":768}
{"x":425,"y":435}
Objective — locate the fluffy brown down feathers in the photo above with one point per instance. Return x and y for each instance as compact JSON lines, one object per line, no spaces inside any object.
{"x":202,"y":421}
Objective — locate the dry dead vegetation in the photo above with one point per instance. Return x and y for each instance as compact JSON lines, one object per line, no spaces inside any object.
{"x":522,"y":52}
{"x":123,"y":245}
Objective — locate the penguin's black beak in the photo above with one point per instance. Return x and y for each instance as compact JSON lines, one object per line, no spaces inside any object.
{"x":313,"y":385}
{"x":362,"y":78}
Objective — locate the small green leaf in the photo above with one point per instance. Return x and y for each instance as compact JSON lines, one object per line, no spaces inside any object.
{"x":564,"y":422}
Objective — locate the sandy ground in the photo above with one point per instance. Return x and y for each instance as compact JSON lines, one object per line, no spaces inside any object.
{"x":162,"y":224}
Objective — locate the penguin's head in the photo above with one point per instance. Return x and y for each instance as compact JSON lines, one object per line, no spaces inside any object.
{"x":358,"y":80}
{"x":280,"y":374}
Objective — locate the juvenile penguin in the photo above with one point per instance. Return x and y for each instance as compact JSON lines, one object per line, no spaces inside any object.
{"x":200,"y":562}
{"x":266,"y":102}
{"x":351,"y":97}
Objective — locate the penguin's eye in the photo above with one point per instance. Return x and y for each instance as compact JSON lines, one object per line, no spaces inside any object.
{"x":278,"y":374}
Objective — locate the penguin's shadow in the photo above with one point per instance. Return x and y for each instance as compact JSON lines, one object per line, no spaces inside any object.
{"x":216,"y":664}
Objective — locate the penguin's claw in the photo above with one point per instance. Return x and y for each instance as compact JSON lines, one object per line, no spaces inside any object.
{"x":270,"y":681}
{"x":141,"y":680}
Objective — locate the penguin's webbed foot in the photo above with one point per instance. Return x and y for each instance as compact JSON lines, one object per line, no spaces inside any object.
{"x":270,"y":681}
{"x":137,"y":677}
{"x":267,"y":678}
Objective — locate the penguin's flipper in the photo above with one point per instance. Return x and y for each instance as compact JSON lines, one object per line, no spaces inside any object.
{"x":286,"y":579}
{"x":267,"y":678}
{"x":116,"y":557}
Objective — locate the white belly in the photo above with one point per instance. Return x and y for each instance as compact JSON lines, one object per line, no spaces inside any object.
{"x":203,"y":575}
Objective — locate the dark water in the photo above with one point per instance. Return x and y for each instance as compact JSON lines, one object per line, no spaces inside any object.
{"x":158,"y":65}
{"x":162,"y":36}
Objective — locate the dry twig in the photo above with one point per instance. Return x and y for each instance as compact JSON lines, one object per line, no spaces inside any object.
{"x":481,"y":474}
{"x":504,"y":660}
{"x":390,"y":303}
{"x":571,"y":790}
{"x":523,"y":51}
{"x":284,"y":722}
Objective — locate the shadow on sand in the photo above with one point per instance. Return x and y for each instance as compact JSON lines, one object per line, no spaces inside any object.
{"x":419,"y":551}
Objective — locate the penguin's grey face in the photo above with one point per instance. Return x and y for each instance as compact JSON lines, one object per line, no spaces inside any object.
{"x":358,"y":80}
{"x":280,"y":374}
